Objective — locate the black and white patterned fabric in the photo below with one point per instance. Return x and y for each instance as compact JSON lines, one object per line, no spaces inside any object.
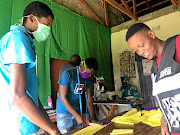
{"x":166,"y":85}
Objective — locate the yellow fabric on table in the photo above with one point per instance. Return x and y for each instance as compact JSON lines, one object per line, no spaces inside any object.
{"x":151,"y":111}
{"x":126,"y":120}
{"x":152,"y":118}
{"x":132,"y":117}
{"x":90,"y":130}
{"x":137,"y":114}
{"x":121,"y":131}
{"x":131,"y":112}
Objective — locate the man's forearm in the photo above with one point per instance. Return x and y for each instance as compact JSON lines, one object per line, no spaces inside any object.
{"x":42,"y":109}
{"x":90,"y":109}
{"x":69,"y":107}
{"x":28,"y":108}
{"x":22,"y":102}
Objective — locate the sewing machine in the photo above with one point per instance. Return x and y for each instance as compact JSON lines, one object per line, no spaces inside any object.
{"x":97,"y":89}
{"x":111,"y":94}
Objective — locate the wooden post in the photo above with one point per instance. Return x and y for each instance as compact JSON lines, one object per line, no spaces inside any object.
{"x":90,"y":11}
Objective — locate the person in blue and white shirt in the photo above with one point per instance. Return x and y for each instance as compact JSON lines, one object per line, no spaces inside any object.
{"x":72,"y":84}
{"x":21,"y":110}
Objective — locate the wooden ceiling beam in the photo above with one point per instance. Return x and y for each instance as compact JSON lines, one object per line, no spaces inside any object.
{"x":134,"y":7}
{"x":126,"y":2}
{"x":174,"y":3}
{"x":148,"y":4}
{"x":144,"y":2}
{"x":90,"y":11}
{"x":126,"y":5}
{"x":178,"y":3}
{"x":142,"y":10}
{"x":106,"y":13}
{"x":160,"y":3}
{"x":153,"y":6}
{"x":122,"y":9}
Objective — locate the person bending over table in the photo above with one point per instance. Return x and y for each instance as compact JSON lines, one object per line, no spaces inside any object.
{"x":72,"y":84}
{"x":74,"y":61}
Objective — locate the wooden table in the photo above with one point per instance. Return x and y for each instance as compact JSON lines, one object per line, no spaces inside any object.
{"x":139,"y":129}
{"x":113,"y":106}
{"x":111,"y":110}
{"x":107,"y":120}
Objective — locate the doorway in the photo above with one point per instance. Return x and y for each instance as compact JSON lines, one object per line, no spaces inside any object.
{"x":55,"y":66}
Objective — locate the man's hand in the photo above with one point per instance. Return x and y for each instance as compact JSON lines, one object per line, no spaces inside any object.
{"x":81,"y":120}
{"x":164,"y":128}
{"x":57,"y":132}
{"x":97,"y":122}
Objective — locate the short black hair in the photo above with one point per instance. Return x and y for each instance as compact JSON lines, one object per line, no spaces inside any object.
{"x":136,"y":28}
{"x":39,"y":9}
{"x":92,"y":63}
{"x":75,"y":60}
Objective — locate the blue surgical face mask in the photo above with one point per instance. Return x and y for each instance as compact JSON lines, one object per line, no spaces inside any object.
{"x":42,"y":33}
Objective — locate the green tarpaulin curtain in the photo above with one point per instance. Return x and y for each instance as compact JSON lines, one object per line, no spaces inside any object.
{"x":71,"y":34}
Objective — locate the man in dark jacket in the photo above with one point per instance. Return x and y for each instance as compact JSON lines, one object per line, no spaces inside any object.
{"x":74,"y":61}
{"x":165,"y":72}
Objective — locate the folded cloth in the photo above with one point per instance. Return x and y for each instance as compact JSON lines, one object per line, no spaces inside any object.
{"x":90,"y":130}
{"x":132,"y":117}
{"x":152,"y":118}
{"x":121,"y":131}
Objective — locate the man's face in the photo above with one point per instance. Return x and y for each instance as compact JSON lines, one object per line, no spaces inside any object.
{"x":143,"y":43}
{"x":33,"y":23}
{"x":46,"y":21}
{"x":125,"y":84}
{"x":91,"y":71}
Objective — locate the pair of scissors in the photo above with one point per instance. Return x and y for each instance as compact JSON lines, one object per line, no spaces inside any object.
{"x":89,"y":123}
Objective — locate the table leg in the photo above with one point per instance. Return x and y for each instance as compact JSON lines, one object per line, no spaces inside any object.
{"x":106,"y":107}
{"x":111,"y":110}
{"x":114,"y":110}
{"x":99,"y":106}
